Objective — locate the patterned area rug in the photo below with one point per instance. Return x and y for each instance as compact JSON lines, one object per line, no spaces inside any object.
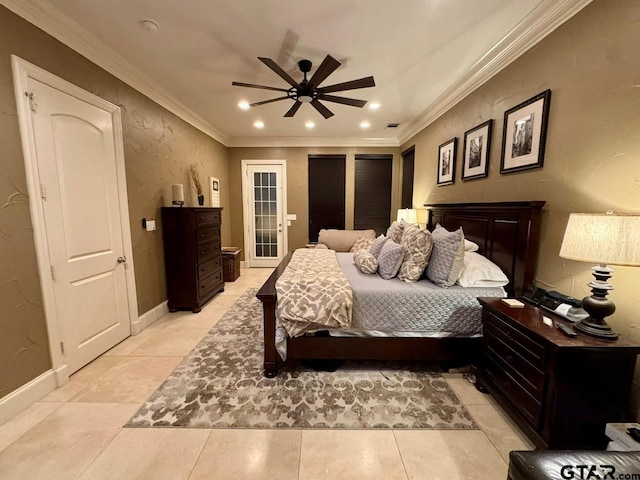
{"x":220,"y":385}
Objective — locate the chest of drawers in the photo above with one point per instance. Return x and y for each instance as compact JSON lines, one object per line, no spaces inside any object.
{"x":561,"y":391}
{"x":192,"y":253}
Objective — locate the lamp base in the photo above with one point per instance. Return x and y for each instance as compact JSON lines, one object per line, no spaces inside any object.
{"x":595,"y":328}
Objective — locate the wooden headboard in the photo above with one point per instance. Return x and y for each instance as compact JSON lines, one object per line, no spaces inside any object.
{"x":507,"y":232}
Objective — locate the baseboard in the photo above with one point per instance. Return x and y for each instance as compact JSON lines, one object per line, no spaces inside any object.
{"x":243,"y":264}
{"x":147,"y":318}
{"x":25,"y":396}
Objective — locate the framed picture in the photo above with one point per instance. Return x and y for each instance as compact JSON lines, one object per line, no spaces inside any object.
{"x":525,"y":133}
{"x":447,"y":162}
{"x":214,"y":191}
{"x":475,"y":157}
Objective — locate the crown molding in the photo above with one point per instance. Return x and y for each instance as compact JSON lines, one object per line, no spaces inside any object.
{"x":543,"y":20}
{"x":312,"y":142}
{"x":47,"y":18}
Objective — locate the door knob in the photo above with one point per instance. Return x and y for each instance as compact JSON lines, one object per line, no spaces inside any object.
{"x":122,"y":259}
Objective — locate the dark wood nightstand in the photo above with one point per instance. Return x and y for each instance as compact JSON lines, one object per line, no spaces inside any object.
{"x":561,"y":391}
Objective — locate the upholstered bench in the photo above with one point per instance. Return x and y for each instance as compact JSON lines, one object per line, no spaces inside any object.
{"x":342,"y":240}
{"x":573,"y":464}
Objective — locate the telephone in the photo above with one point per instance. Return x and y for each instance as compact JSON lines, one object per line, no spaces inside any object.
{"x":563,"y":305}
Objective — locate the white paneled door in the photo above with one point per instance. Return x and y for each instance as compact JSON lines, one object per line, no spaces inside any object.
{"x":265,"y":230}
{"x":77,"y":160}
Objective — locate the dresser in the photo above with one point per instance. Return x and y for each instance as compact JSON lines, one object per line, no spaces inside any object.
{"x":561,"y":391}
{"x":192,"y":256}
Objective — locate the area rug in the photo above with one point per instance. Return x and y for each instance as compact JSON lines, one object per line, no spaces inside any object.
{"x":220,"y":385}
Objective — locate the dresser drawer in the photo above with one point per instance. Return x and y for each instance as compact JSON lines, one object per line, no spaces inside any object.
{"x":207,"y":234}
{"x":529,"y":349}
{"x":207,"y":218}
{"x":528,"y":406}
{"x":204,"y":286}
{"x":209,"y":267}
{"x":528,"y":376}
{"x":208,"y":251}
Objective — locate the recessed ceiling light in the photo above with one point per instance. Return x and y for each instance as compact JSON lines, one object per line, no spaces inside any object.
{"x":258,"y":124}
{"x":365,"y":124}
{"x":149,"y":25}
{"x":244,"y":105}
{"x":374,"y":106}
{"x":309,"y":124}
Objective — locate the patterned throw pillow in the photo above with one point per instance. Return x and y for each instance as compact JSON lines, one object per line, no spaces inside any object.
{"x":447,"y":257}
{"x":362,"y":243}
{"x":395,"y":231}
{"x":365,"y":262}
{"x":417,"y":250}
{"x":390,"y":259}
{"x":378,"y":243}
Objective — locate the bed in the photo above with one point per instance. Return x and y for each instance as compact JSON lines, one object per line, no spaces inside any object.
{"x":507,"y":233}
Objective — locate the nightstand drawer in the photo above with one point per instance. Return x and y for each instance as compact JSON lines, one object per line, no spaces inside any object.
{"x":529,"y":377}
{"x":532,"y":351}
{"x":207,"y":234}
{"x":528,"y":406}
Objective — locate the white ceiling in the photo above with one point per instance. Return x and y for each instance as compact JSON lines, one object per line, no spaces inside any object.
{"x":424,"y":55}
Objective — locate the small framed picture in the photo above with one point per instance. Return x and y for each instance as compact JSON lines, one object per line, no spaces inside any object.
{"x":525,"y":134}
{"x":477,"y":145}
{"x":447,"y":162}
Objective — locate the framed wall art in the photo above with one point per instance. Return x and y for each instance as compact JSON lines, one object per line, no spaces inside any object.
{"x":476,"y":149}
{"x":525,"y":134}
{"x":447,"y":162}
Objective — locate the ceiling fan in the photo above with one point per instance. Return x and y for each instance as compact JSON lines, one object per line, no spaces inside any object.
{"x":309,"y":91}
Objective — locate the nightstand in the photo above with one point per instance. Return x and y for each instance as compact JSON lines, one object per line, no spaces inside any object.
{"x":560,"y":390}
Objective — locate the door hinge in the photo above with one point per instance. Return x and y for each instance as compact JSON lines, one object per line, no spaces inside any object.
{"x":62,"y":347}
{"x":32,"y":101}
{"x":53,"y":273}
{"x":43,"y":192}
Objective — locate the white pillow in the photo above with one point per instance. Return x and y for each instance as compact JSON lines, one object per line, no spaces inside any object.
{"x":470,"y":246}
{"x":479,"y":271}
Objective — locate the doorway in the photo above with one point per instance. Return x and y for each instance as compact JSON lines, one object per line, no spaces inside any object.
{"x":372,"y":205}
{"x":326,"y":193}
{"x":74,"y":159}
{"x":264,"y":190}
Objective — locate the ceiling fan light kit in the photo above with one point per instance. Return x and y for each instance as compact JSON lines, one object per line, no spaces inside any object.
{"x":309,"y":90}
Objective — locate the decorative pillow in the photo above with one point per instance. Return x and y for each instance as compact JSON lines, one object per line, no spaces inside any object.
{"x":447,"y":257}
{"x":378,"y":243}
{"x":394,"y":232}
{"x":479,"y":271}
{"x":365,"y":262}
{"x":417,"y":250}
{"x":362,"y":243}
{"x":390,"y":259}
{"x":470,"y":246}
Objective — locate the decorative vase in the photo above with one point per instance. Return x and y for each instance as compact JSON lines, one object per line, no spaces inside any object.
{"x":201,"y":200}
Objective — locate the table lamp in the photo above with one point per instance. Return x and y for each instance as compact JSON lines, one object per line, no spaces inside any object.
{"x":409,"y":215}
{"x":606,"y":239}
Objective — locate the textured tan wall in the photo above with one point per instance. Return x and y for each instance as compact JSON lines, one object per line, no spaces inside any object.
{"x":159,"y":147}
{"x":298,"y":185}
{"x":592,"y":161}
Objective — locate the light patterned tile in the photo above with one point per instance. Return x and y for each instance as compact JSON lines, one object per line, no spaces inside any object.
{"x":169,"y":342}
{"x":449,"y":455}
{"x":250,"y":455}
{"x":130,"y":344}
{"x":350,"y":454}
{"x":22,"y":423}
{"x":467,"y":392}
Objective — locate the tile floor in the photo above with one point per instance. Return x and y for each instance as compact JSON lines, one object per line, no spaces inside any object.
{"x":76,"y":431}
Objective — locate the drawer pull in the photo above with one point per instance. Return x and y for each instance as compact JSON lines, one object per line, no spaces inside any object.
{"x":509,"y":358}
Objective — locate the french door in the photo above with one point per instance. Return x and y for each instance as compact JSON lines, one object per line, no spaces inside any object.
{"x":264,"y":191}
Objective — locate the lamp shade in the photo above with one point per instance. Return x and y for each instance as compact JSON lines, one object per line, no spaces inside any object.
{"x":607,"y":239}
{"x":409,"y":215}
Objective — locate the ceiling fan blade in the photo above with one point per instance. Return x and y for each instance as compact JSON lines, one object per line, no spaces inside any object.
{"x":276,"y":68}
{"x":324,"y":111}
{"x":326,"y":68}
{"x":263,"y":87}
{"x":345,"y":101}
{"x":268,"y":101}
{"x":365,"y":82}
{"x":292,"y":111}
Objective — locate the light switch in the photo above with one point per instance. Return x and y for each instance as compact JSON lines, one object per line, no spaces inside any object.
{"x":151,"y":225}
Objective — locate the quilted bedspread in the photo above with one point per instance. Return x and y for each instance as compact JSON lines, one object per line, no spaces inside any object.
{"x":313,"y":293}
